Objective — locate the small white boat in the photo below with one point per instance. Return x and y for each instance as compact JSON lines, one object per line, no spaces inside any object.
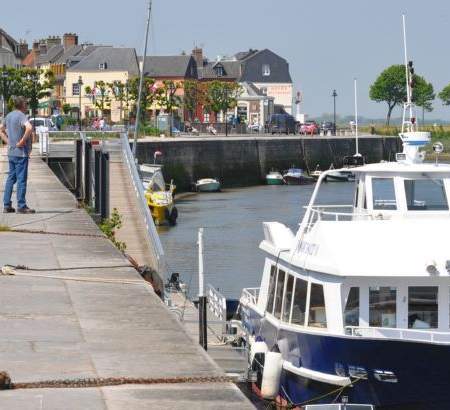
{"x":207,"y":185}
{"x":274,"y":178}
{"x":339,"y":175}
{"x":316,"y":173}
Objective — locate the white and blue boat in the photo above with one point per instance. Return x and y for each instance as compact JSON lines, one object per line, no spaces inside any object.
{"x":356,"y":303}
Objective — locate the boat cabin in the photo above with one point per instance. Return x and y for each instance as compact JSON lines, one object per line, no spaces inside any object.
{"x":376,"y":268}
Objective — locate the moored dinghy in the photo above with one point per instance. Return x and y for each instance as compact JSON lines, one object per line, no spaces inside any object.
{"x":207,"y":185}
{"x":274,"y":178}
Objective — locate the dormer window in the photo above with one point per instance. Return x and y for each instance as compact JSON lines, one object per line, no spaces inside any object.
{"x":266,"y":70}
{"x":103,"y":66}
{"x":220,"y":72}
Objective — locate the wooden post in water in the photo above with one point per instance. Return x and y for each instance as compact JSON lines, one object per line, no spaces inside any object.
{"x":202,"y":300}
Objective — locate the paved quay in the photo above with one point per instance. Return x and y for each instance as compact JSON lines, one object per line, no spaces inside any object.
{"x":90,"y":315}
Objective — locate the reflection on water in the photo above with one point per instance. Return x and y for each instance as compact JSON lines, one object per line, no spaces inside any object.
{"x":232,"y":220}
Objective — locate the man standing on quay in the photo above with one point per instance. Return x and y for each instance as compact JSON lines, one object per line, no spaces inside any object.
{"x":16,"y":132}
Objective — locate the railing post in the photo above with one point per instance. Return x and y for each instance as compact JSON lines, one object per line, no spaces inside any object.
{"x":78,"y":168}
{"x":87,"y":173}
{"x":104,"y":185}
{"x":97,"y":179}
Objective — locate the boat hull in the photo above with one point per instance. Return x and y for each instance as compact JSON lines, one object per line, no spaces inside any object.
{"x":339,"y":177}
{"x":290,"y":180}
{"x":209,"y":187}
{"x":421,"y":368}
{"x":274,"y":181}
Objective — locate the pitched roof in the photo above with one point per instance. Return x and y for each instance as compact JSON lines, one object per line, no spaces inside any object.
{"x":252,"y":90}
{"x":68,"y":53}
{"x":232,"y":70}
{"x":29,"y":60}
{"x":52,"y":55}
{"x":116,"y":59}
{"x":167,"y":66}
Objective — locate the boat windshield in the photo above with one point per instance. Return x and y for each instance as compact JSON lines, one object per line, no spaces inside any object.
{"x":425,"y":195}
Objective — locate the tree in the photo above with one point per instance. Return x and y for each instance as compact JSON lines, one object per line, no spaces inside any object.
{"x":168,"y":100}
{"x":423,"y":95}
{"x":194,"y":94}
{"x":121,"y":93}
{"x":390,"y":87}
{"x":34,"y":85}
{"x":149,"y":94}
{"x":100,"y":96}
{"x":221,"y":96}
{"x":444,"y":95}
{"x":9,"y":84}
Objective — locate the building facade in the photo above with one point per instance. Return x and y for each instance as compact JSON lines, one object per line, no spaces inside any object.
{"x":12,"y":52}
{"x":107,"y":64}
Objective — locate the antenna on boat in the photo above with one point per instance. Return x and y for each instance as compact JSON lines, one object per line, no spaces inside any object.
{"x":357,"y":154}
{"x":141,"y":79}
{"x":411,"y":123}
{"x":412,"y":139}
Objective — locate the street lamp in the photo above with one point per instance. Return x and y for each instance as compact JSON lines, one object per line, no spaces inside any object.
{"x":4,"y":79}
{"x":80,"y":85}
{"x":334,"y":95}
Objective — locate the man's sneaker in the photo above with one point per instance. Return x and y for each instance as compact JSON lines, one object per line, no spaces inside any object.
{"x":8,"y":210}
{"x":26,"y":210}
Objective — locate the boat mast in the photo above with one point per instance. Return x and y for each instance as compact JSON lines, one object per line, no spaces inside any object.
{"x":141,"y":80}
{"x":411,"y":123}
{"x":356,"y":120}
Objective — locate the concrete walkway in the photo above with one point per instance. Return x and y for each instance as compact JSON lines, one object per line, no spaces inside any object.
{"x":68,"y":328}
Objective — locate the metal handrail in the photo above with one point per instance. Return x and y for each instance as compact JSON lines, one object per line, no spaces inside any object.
{"x":317,"y":211}
{"x":424,"y":335}
{"x":250,"y":295}
{"x":152,"y":235}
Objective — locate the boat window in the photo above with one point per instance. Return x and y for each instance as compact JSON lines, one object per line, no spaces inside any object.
{"x":317,"y":314}
{"x":383,"y":194}
{"x":299,"y":307}
{"x":288,"y":298}
{"x":425,"y":195}
{"x":271,"y":289}
{"x":279,"y":293}
{"x":351,"y":312}
{"x":382,"y":306}
{"x":423,"y":307}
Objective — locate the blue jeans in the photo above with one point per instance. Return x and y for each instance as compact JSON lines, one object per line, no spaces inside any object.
{"x":18,"y":172}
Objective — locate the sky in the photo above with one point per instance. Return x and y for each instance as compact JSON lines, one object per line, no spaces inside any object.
{"x":327,"y":43}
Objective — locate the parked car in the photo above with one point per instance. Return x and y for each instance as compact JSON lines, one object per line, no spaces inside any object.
{"x":43,"y":122}
{"x":281,"y":124}
{"x":327,"y":126}
{"x":309,"y":127}
{"x":254,"y":128}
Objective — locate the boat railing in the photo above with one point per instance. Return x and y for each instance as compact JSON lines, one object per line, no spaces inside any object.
{"x":250,"y":295}
{"x":419,"y":335}
{"x":334,"y":213}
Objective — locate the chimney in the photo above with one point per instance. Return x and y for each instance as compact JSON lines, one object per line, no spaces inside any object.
{"x":23,"y":49}
{"x":197,"y":53}
{"x":70,"y":40}
{"x":42,"y":47}
{"x":53,"y":41}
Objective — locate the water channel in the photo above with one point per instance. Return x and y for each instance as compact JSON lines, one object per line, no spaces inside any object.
{"x":233,"y":230}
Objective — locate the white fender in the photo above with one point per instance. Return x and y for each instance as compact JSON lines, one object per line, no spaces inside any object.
{"x":257,"y":347}
{"x":270,"y":385}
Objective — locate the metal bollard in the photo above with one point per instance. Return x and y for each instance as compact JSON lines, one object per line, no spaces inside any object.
{"x":104,"y":185}
{"x":97,"y":159}
{"x":78,"y":169}
{"x":87,"y":173}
